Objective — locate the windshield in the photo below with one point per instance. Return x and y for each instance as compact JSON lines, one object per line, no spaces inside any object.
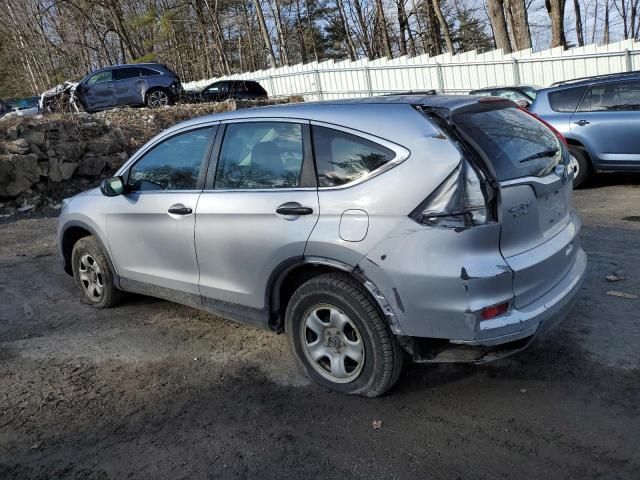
{"x":516,"y":143}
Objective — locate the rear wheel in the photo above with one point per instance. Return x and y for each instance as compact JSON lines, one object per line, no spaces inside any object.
{"x":157,"y":98}
{"x":581,"y":166}
{"x":340,"y":337}
{"x":93,"y":273}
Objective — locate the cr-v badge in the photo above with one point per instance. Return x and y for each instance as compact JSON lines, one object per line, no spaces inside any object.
{"x":520,"y":209}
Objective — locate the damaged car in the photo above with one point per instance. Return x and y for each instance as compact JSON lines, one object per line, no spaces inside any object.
{"x":364,"y":229}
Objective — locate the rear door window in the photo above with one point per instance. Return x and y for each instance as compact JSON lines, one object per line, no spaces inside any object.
{"x":342,"y":158}
{"x":124,"y":73}
{"x":148,"y":72}
{"x":515,"y":142}
{"x":619,"y":96}
{"x":566,"y":100}
{"x":259,"y":155}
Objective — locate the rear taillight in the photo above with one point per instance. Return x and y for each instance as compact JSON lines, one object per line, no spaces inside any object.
{"x":461,"y":201}
{"x":494,"y":311}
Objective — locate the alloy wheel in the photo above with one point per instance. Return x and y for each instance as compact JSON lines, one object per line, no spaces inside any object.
{"x":158,"y":98}
{"x":332,"y":343}
{"x":91,"y":277}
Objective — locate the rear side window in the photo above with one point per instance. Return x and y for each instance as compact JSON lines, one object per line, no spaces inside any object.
{"x":148,"y":72}
{"x":257,"y":155}
{"x":515,"y":142}
{"x":173,"y":164}
{"x":566,"y":100}
{"x":343,"y":158}
{"x":612,"y":96}
{"x":124,"y":73}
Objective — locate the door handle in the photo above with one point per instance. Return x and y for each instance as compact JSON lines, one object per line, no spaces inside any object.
{"x":180,"y":210}
{"x":582,"y":123}
{"x":293,"y":209}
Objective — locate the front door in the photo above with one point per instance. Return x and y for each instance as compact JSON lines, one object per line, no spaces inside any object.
{"x":607,"y":122}
{"x":98,"y":91}
{"x":151,"y":226}
{"x":256,"y":215}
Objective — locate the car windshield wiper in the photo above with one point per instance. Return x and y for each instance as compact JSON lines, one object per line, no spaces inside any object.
{"x":543,"y":154}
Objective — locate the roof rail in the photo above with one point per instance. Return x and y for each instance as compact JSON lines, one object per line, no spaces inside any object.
{"x":596,"y":77}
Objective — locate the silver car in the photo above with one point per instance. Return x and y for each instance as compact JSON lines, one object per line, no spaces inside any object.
{"x":438,"y":226}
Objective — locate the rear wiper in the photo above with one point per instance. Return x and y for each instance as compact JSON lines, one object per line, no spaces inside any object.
{"x":543,"y":154}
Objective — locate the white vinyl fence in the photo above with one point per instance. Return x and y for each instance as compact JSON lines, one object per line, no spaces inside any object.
{"x":445,"y":73}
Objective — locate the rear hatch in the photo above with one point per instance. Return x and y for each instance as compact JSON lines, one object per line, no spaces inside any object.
{"x":539,"y":230}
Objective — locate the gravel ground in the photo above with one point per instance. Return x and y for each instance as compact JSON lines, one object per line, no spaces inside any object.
{"x":157,"y":390}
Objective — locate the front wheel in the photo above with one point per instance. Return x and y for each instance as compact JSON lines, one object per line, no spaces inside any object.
{"x":581,"y":166}
{"x":340,"y":338}
{"x":93,"y":274}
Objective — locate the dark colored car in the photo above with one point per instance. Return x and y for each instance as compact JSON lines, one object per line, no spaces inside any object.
{"x":523,"y":95}
{"x":226,"y":89}
{"x":600,"y":119}
{"x":150,"y":84}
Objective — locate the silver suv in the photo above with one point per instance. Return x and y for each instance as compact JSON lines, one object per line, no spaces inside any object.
{"x":440,"y":226}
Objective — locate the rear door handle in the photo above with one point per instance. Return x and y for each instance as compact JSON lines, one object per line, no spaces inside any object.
{"x":582,"y":123}
{"x":180,"y":210}
{"x":293,"y":209}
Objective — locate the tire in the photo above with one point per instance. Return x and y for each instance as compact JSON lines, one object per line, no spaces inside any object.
{"x":580,"y":160}
{"x":93,"y":274}
{"x":158,"y":97}
{"x":322,"y":303}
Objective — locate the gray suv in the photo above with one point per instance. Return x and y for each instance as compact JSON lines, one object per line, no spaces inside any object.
{"x":150,"y":84}
{"x":437,"y":225}
{"x":600,"y":119}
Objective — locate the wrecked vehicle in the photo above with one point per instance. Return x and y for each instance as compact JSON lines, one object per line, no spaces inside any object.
{"x":225,"y":90}
{"x":21,"y":107}
{"x":440,"y":225}
{"x":60,"y":98}
{"x":151,"y":84}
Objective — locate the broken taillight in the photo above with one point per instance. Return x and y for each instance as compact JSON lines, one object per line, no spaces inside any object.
{"x":461,"y":200}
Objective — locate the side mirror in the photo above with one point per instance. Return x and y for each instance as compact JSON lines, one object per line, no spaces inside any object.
{"x":523,"y":104}
{"x":112,"y":187}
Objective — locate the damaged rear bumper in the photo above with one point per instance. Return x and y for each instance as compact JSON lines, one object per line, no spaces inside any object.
{"x":510,"y":333}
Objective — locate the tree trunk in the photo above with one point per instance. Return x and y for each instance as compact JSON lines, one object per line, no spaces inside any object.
{"x":284,"y":54}
{"x":556,"y":13}
{"x":366,"y":39}
{"x":384,"y":29}
{"x":444,"y":27}
{"x":434,"y":31}
{"x":402,"y":24}
{"x":265,"y":34}
{"x":353,"y":54}
{"x":579,"y":32}
{"x":312,"y":32}
{"x":499,"y":25}
{"x":605,"y":37}
{"x":519,"y":23}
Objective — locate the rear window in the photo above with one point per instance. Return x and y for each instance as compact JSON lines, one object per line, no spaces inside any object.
{"x":516,"y":144}
{"x":566,"y":100}
{"x":148,"y":72}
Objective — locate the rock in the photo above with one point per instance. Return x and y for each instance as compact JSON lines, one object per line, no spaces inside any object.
{"x":12,"y":132}
{"x":33,"y":136}
{"x":59,"y":170}
{"x":116,"y":161}
{"x":105,"y":146}
{"x":17,"y":174}
{"x":43,"y":169}
{"x":19,"y":147}
{"x":92,"y":165}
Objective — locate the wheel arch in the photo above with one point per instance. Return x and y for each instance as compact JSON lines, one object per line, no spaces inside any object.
{"x":288,"y":278}
{"x":74,"y":231}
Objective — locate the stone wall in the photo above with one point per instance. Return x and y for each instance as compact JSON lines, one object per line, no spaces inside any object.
{"x":44,"y":159}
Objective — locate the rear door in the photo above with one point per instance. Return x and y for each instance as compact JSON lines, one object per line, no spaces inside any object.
{"x":539,"y":234}
{"x":607,"y":122}
{"x":257,"y":211}
{"x":128,"y":86}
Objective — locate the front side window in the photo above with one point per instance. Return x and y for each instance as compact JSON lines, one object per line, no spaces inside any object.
{"x":618,"y":96}
{"x":566,"y":100}
{"x":173,"y":164}
{"x":343,"y":158}
{"x":99,"y":77}
{"x":260,"y":155}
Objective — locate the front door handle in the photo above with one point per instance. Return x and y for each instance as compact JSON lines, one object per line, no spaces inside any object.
{"x":293,"y":209}
{"x":582,"y":123}
{"x":180,"y":210}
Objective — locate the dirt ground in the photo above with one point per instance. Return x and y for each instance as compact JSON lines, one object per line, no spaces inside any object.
{"x":157,"y":390}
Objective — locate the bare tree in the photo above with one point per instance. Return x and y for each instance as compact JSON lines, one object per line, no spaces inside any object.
{"x":555,"y":8}
{"x":499,"y":25}
{"x":444,"y":27}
